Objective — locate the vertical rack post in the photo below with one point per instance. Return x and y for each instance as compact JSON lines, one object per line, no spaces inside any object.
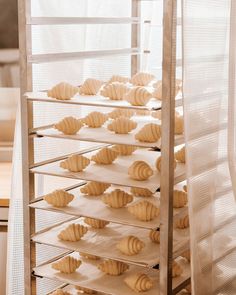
{"x":167,"y":151}
{"x":27,"y":144}
{"x":135,"y":36}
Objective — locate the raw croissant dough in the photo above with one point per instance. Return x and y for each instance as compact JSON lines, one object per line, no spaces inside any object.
{"x":95,"y":119}
{"x":140,"y":170}
{"x":149,"y":133}
{"x":113,"y":267}
{"x":66,"y":264}
{"x":130,"y":245}
{"x":154,"y":236}
{"x":116,"y":113}
{"x":90,"y":87}
{"x":142,"y":113}
{"x":177,"y":270}
{"x":58,"y":198}
{"x":157,"y":114}
{"x":105,"y":156}
{"x":117,"y":78}
{"x":180,"y":155}
{"x":158,"y":164}
{"x":85,"y":290}
{"x":89,"y":256}
{"x":94,"y":188}
{"x":75,"y":163}
{"x":183,"y":222}
{"x":96,"y":223}
{"x":179,"y":199}
{"x":122,"y":125}
{"x":186,"y":254}
{"x":73,"y":232}
{"x":124,"y":150}
{"x":63,"y":91}
{"x":144,"y":210}
{"x":60,"y":292}
{"x":142,"y":79}
{"x":179,"y":125}
{"x":157,"y":93}
{"x":114,"y":91}
{"x":141,"y":192}
{"x":117,"y":198}
{"x":69,"y":125}
{"x":139,"y":282}
{"x":138,"y":96}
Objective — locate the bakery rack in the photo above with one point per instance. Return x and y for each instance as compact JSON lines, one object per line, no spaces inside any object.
{"x":156,"y":261}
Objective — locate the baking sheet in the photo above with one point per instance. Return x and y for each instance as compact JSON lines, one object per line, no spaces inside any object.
{"x":93,"y":207}
{"x":89,"y":276}
{"x":117,"y":172}
{"x":102,"y":242}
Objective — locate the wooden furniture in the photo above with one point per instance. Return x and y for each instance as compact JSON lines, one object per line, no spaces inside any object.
{"x":167,"y":252}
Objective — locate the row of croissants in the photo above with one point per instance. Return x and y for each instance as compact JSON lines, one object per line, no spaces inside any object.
{"x":137,"y":90}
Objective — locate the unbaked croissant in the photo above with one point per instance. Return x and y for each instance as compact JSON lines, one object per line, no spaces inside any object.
{"x":130,"y":245}
{"x":117,"y":198}
{"x":139,"y":282}
{"x":89,"y":256}
{"x":180,"y":155}
{"x":95,"y":119}
{"x":114,"y":91}
{"x":122,"y":125}
{"x":90,"y":87}
{"x":177,"y":270}
{"x":179,"y":199}
{"x":138,"y":96}
{"x":183,"y":222}
{"x":85,"y":290}
{"x":144,"y":210}
{"x":157,"y":93}
{"x":141,"y":192}
{"x":69,"y":125}
{"x":96,"y":223}
{"x":73,"y":232}
{"x":158,"y":164}
{"x":113,"y":267}
{"x":149,"y":133}
{"x":142,"y":113}
{"x":157,"y":114}
{"x":124,"y":150}
{"x":154,"y":236}
{"x":58,"y":198}
{"x":118,"y":78}
{"x":186,"y":254}
{"x":179,"y":125}
{"x":60,"y":292}
{"x":142,"y":79}
{"x":62,"y":91}
{"x":116,"y":113}
{"x":66,"y":264}
{"x":105,"y":156}
{"x":75,"y":163}
{"x":140,"y":170}
{"x":94,"y":188}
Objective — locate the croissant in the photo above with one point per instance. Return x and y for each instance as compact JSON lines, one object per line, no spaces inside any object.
{"x":117,"y":78}
{"x":139,"y":282}
{"x":95,"y":223}
{"x":154,"y":236}
{"x":60,"y":292}
{"x":85,"y":290}
{"x":138,"y":96}
{"x":158,"y":164}
{"x":95,"y":119}
{"x":124,"y":150}
{"x":141,"y":192}
{"x":179,"y":199}
{"x":186,"y":254}
{"x":115,"y":90}
{"x":130,"y":245}
{"x":73,"y":232}
{"x":62,"y":91}
{"x":140,"y":170}
{"x":177,"y":270}
{"x":183,"y":222}
{"x":90,"y":87}
{"x":142,"y":79}
{"x":157,"y":93}
{"x":116,"y":113}
{"x":180,"y":155}
{"x":69,"y":125}
{"x":113,"y":267}
{"x":179,"y":125}
{"x":66,"y":264}
{"x":185,"y":188}
{"x":144,"y":211}
{"x":89,"y":256}
{"x":122,"y":125}
{"x":157,"y":114}
{"x":142,"y":113}
{"x":58,"y":198}
{"x":94,"y":188}
{"x":105,"y":156}
{"x":117,"y":198}
{"x":75,"y":163}
{"x":149,"y":133}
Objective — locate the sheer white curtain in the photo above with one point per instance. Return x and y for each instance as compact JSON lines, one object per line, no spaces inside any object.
{"x":206,"y":27}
